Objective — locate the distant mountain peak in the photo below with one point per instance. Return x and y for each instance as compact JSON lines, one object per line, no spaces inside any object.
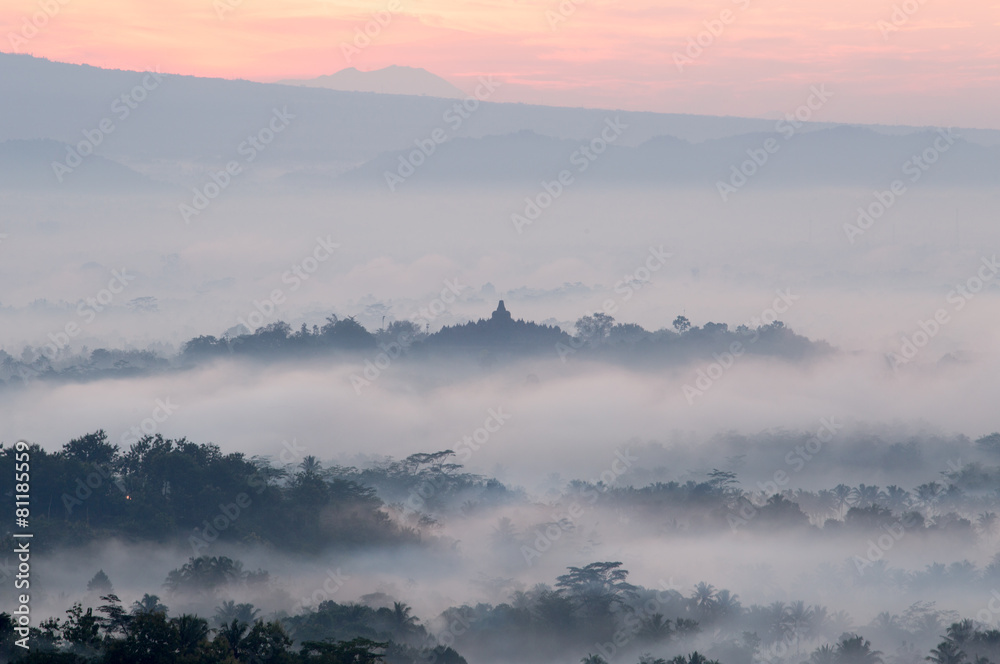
{"x":394,"y":79}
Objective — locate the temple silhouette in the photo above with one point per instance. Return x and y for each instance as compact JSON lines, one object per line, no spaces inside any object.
{"x":501,"y":315}
{"x":499,"y":332}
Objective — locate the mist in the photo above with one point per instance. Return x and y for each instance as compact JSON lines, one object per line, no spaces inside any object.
{"x":563,"y":385}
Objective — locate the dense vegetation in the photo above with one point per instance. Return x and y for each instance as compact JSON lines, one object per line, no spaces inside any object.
{"x":487,"y":341}
{"x":592,"y":611}
{"x":175,"y":491}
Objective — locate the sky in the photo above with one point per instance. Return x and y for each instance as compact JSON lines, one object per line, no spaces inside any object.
{"x":922,"y":62}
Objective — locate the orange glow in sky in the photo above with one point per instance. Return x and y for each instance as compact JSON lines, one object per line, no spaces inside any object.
{"x":923,"y":62}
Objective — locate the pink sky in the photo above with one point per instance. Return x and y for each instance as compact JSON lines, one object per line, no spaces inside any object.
{"x":940,"y":67}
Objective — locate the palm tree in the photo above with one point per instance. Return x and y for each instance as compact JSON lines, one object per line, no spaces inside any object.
{"x":946,"y":653}
{"x":819,"y":619}
{"x":896,"y":499}
{"x":823,"y":655}
{"x":854,"y":649}
{"x":654,"y":628}
{"x":799,"y":616}
{"x":886,"y":622}
{"x":961,"y":632}
{"x":698,"y":658}
{"x":191,"y":632}
{"x":842,"y":493}
{"x":928,"y":492}
{"x":310,"y":465}
{"x":233,"y":633}
{"x":825,"y":502}
{"x":402,"y":621}
{"x":987,"y":523}
{"x":148,"y":604}
{"x":840,"y":621}
{"x":704,"y":598}
{"x":866,"y":496}
{"x":230,"y":610}
{"x":727,"y":604}
{"x":779,"y":622}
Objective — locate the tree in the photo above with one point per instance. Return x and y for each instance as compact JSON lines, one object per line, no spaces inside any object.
{"x":206,"y":574}
{"x":148,"y":604}
{"x":266,"y":643}
{"x":723,"y":480}
{"x":682,"y":324}
{"x":704,"y":598}
{"x":987,"y":524}
{"x":346,"y":333}
{"x":232,"y":635}
{"x":854,"y":649}
{"x":100,"y":583}
{"x":961,"y":633}
{"x":115,"y":620}
{"x":595,"y":329}
{"x":946,"y":653}
{"x":81,"y":630}
{"x":825,"y":654}
{"x":843,"y":495}
{"x":403,"y":622}
{"x":151,"y":639}
{"x":230,"y":610}
{"x":654,"y":628}
{"x":800,"y":618}
{"x":596,"y":588}
{"x":896,"y":498}
{"x":929,"y":492}
{"x":355,"y":651}
{"x":93,"y":448}
{"x":192,"y":633}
